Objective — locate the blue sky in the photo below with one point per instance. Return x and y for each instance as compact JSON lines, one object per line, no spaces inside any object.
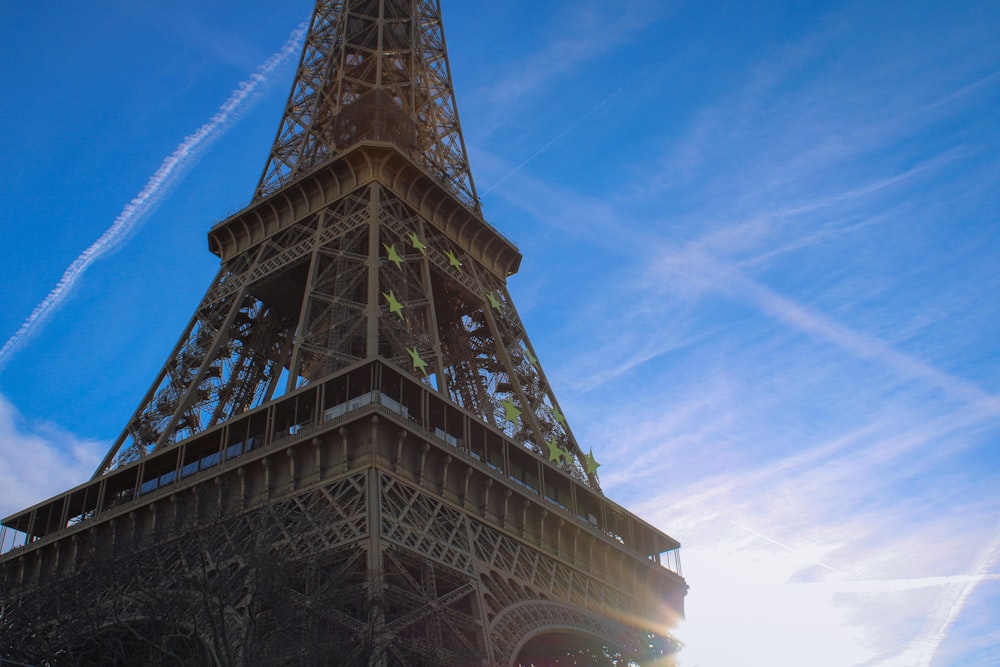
{"x":762,"y":254}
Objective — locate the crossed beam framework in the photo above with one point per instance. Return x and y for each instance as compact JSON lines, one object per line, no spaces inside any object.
{"x":376,"y":69}
{"x":367,"y":256}
{"x":352,"y":453}
{"x":425,"y":534}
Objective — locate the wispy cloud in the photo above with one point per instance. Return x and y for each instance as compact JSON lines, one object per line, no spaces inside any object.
{"x":589,"y":31}
{"x":38,"y":460}
{"x":143,"y":203}
{"x":749,"y":317}
{"x":813,"y":536}
{"x":927,"y":646}
{"x":711,"y":273}
{"x":810,"y":451}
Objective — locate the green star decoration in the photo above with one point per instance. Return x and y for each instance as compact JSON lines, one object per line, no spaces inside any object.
{"x":454,"y":260}
{"x":394,"y":306}
{"x":418,"y":363}
{"x":394,"y":256}
{"x":592,"y":464}
{"x":530,"y":357}
{"x":555,"y":451}
{"x":415,"y":241}
{"x":493,"y":301}
{"x":558,"y":415}
{"x":510,"y":412}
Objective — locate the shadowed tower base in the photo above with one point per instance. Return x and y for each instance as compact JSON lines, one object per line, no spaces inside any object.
{"x":352,"y":455}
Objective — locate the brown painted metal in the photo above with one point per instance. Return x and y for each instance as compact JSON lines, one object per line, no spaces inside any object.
{"x":372,"y":70}
{"x":335,"y":417}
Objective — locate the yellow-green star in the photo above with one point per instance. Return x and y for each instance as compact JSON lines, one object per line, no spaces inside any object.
{"x":454,"y":260}
{"x":556,"y":452}
{"x":592,"y":464}
{"x":394,"y":256}
{"x":493,"y":301}
{"x":415,"y":241}
{"x":509,"y":411}
{"x":418,"y":363}
{"x":530,"y":357}
{"x":394,"y":306}
{"x":558,"y":415}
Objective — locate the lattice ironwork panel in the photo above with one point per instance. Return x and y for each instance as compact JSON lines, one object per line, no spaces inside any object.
{"x":284,"y":584}
{"x":324,"y":517}
{"x":512,"y":570}
{"x":234,"y":353}
{"x":228,"y":361}
{"x":430,"y":612}
{"x":542,"y":424}
{"x":266,"y":567}
{"x":332,"y":330}
{"x":372,"y":70}
{"x":407,"y":312}
{"x":426,"y":525}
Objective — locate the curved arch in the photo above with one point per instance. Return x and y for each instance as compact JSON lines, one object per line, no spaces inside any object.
{"x":555,"y":640}
{"x":518,"y":624}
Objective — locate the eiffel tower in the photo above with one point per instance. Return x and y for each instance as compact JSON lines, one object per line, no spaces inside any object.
{"x":352,"y":455}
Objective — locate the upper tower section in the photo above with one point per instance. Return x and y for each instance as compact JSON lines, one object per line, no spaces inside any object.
{"x":364,"y":243}
{"x":372,"y":71}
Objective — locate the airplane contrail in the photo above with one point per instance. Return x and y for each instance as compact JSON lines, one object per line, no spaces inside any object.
{"x":787,"y":548}
{"x":149,"y":196}
{"x":566,"y":131}
{"x":978,"y":575}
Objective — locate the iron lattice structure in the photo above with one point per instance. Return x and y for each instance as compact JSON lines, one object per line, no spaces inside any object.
{"x":352,"y":455}
{"x":377,"y":69}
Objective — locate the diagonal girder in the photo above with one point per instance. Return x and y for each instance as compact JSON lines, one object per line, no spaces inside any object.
{"x":374,"y":70}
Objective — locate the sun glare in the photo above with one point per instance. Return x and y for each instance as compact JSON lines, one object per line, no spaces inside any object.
{"x":746,"y":607}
